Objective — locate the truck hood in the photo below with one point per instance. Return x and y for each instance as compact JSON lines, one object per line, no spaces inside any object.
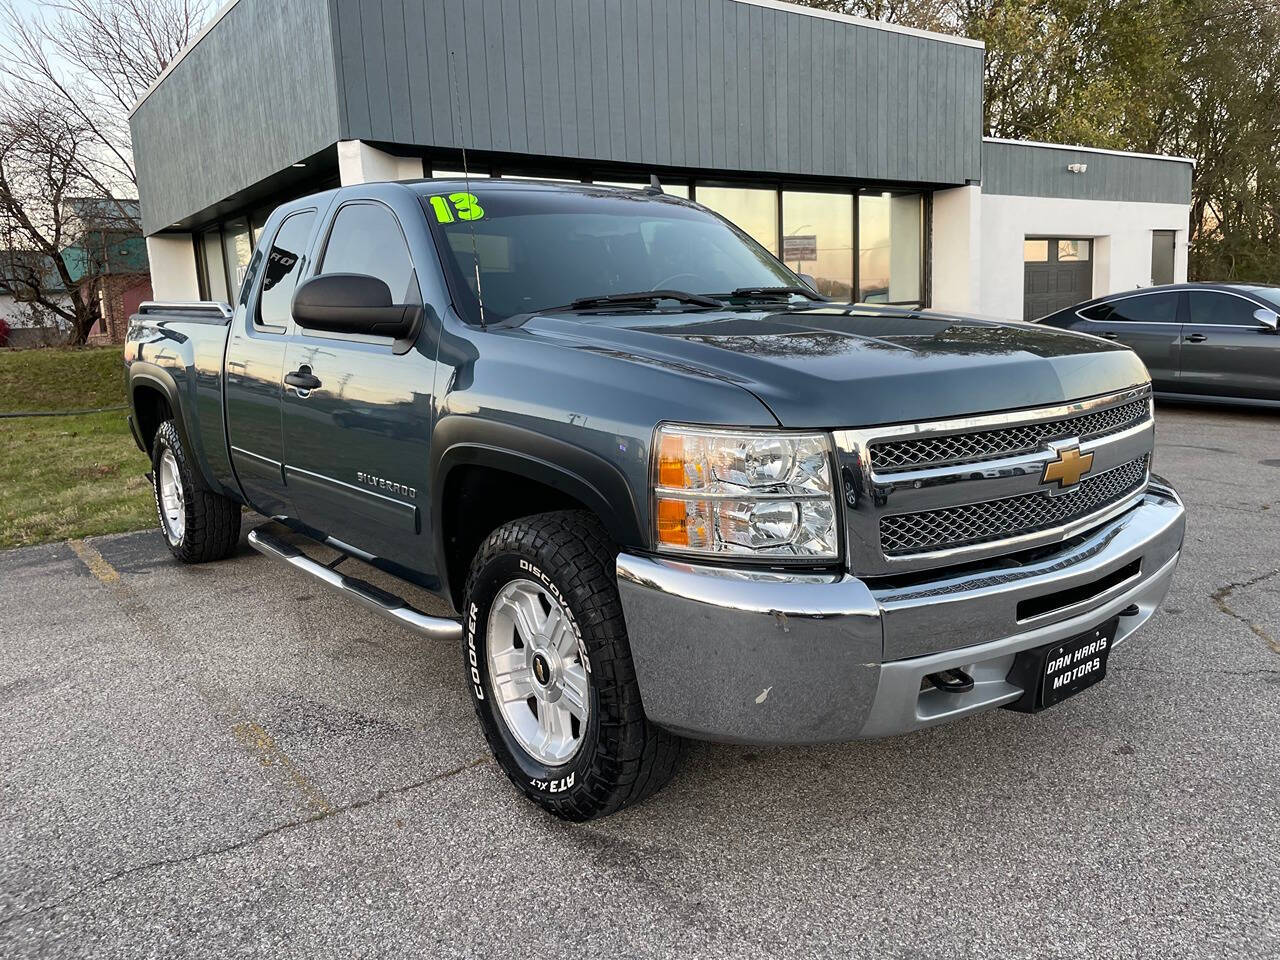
{"x":839,"y":366}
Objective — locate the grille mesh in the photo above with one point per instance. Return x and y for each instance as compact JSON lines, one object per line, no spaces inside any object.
{"x":957,"y":448}
{"x":908,"y":533}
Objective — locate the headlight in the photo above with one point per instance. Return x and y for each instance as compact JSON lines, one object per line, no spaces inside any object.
{"x":744,"y":493}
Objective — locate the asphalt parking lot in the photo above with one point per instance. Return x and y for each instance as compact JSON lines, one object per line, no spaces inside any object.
{"x":227,"y":760}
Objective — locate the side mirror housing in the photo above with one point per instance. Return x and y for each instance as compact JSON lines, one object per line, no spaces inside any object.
{"x":353,"y":303}
{"x":1268,"y":318}
{"x":811,"y":281}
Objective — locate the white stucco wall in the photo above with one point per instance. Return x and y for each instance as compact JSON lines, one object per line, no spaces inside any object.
{"x":1121,"y":232}
{"x":360,"y":163}
{"x":173,"y":266}
{"x":957,"y":243}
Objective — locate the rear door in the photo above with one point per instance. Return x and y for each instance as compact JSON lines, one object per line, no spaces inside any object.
{"x":356,"y":447}
{"x":1149,"y":323}
{"x":255,"y":361}
{"x":1226,"y":352}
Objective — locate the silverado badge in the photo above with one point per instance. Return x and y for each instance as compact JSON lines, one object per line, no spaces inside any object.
{"x":1067,"y":469}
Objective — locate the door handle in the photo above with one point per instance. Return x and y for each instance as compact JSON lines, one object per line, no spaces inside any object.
{"x":1109,"y":336}
{"x":1197,"y":338}
{"x":302,"y":379}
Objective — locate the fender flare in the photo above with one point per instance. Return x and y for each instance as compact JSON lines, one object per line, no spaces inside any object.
{"x":575,"y":471}
{"x":160,"y":380}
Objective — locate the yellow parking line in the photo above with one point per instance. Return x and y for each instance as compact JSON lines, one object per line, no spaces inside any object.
{"x":96,"y":562}
{"x":281,"y":769}
{"x":264,"y":747}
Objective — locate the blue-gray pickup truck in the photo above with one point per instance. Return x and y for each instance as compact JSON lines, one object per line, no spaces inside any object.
{"x":663,"y":488}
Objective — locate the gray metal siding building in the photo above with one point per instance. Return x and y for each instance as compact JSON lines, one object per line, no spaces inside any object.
{"x":728,"y":101}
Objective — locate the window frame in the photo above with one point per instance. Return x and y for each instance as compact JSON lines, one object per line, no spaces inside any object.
{"x":258,"y":281}
{"x":1226,"y":326}
{"x":1176,"y":294}
{"x":322,"y":250}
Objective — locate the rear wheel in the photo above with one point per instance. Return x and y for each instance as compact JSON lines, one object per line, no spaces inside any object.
{"x":198,"y":524}
{"x":550,"y":669}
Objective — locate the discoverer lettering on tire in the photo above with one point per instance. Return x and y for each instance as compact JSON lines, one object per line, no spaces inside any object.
{"x":543,"y":618}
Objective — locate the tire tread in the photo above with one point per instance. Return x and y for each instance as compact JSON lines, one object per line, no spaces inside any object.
{"x":636,"y":758}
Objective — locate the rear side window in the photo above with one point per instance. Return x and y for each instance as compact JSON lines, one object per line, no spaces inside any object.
{"x":1147,"y":308}
{"x":366,"y":238}
{"x":284,"y":261}
{"x":1222,"y":309}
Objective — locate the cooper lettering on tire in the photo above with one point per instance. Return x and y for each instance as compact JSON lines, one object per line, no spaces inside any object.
{"x":541,"y":609}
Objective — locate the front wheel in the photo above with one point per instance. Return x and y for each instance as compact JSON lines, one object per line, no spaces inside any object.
{"x":198,"y":524}
{"x":550,"y":669}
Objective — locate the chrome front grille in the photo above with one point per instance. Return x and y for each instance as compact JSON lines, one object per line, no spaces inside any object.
{"x":973,"y":523}
{"x":926,"y":495}
{"x":958,"y":448}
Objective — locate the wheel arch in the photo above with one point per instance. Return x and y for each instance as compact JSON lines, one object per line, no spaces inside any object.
{"x":493,"y":476}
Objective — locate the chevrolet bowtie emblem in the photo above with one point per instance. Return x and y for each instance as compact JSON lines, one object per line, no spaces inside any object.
{"x":1068,"y":468}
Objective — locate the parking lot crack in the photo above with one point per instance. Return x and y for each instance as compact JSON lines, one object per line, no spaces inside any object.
{"x":1224,"y":594}
{"x":376,"y":797}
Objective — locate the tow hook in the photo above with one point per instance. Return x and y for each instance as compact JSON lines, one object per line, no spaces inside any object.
{"x":954,"y":680}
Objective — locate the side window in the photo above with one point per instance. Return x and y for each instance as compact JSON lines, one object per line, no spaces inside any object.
{"x":1222,"y":309}
{"x":1145,"y":308}
{"x":366,"y":238}
{"x":283,"y":265}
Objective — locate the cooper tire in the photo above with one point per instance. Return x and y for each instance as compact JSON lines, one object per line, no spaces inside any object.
{"x":616,"y":757}
{"x":198,"y":525}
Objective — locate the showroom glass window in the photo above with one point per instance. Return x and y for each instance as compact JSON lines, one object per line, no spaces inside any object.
{"x":890,"y":237}
{"x":754,"y":211}
{"x":213,"y":273}
{"x":817,"y":239}
{"x":237,"y":248}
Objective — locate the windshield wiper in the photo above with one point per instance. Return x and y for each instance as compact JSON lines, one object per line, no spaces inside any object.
{"x":771,"y":293}
{"x":643,"y":297}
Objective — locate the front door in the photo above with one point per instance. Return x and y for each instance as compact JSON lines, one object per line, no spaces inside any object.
{"x":255,"y":364}
{"x":1148,"y":324}
{"x":1057,"y":273}
{"x":1226,"y":352}
{"x":356,"y":445}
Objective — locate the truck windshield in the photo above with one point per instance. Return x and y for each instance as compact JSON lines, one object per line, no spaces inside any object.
{"x":544,"y":248}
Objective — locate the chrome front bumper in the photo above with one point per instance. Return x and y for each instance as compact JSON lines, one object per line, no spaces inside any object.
{"x":746,"y":656}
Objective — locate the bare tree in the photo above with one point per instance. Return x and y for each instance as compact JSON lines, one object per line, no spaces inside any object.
{"x":50,"y":250}
{"x":70,"y":72}
{"x":93,"y":60}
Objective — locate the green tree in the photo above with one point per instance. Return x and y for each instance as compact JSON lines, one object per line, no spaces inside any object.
{"x":1186,"y":77}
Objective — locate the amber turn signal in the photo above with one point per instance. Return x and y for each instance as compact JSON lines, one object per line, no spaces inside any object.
{"x":671,"y":461}
{"x":672,"y":529}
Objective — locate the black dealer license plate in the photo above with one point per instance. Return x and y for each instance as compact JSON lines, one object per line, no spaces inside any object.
{"x":1052,"y":673}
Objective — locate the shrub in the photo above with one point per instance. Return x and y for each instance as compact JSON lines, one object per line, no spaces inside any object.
{"x":4,"y":332}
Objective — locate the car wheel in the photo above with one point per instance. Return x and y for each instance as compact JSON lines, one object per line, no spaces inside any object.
{"x":550,"y":669}
{"x":198,"y":524}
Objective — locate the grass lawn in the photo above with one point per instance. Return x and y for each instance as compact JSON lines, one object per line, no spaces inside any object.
{"x":63,"y":477}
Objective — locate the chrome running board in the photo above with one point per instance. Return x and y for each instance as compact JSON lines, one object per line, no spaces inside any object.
{"x":379,"y":601}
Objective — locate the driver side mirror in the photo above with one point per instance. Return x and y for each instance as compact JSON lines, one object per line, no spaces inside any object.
{"x":1266,"y":317}
{"x":353,"y":303}
{"x":811,"y":281}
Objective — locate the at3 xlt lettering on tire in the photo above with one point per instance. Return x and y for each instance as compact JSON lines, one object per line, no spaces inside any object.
{"x":550,"y":669}
{"x":198,"y":524}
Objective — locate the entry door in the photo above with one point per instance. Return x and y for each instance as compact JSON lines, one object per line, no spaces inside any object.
{"x":1058,"y":273}
{"x":255,"y":365}
{"x":1149,"y":324}
{"x":1225,"y":351}
{"x":356,"y":446}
